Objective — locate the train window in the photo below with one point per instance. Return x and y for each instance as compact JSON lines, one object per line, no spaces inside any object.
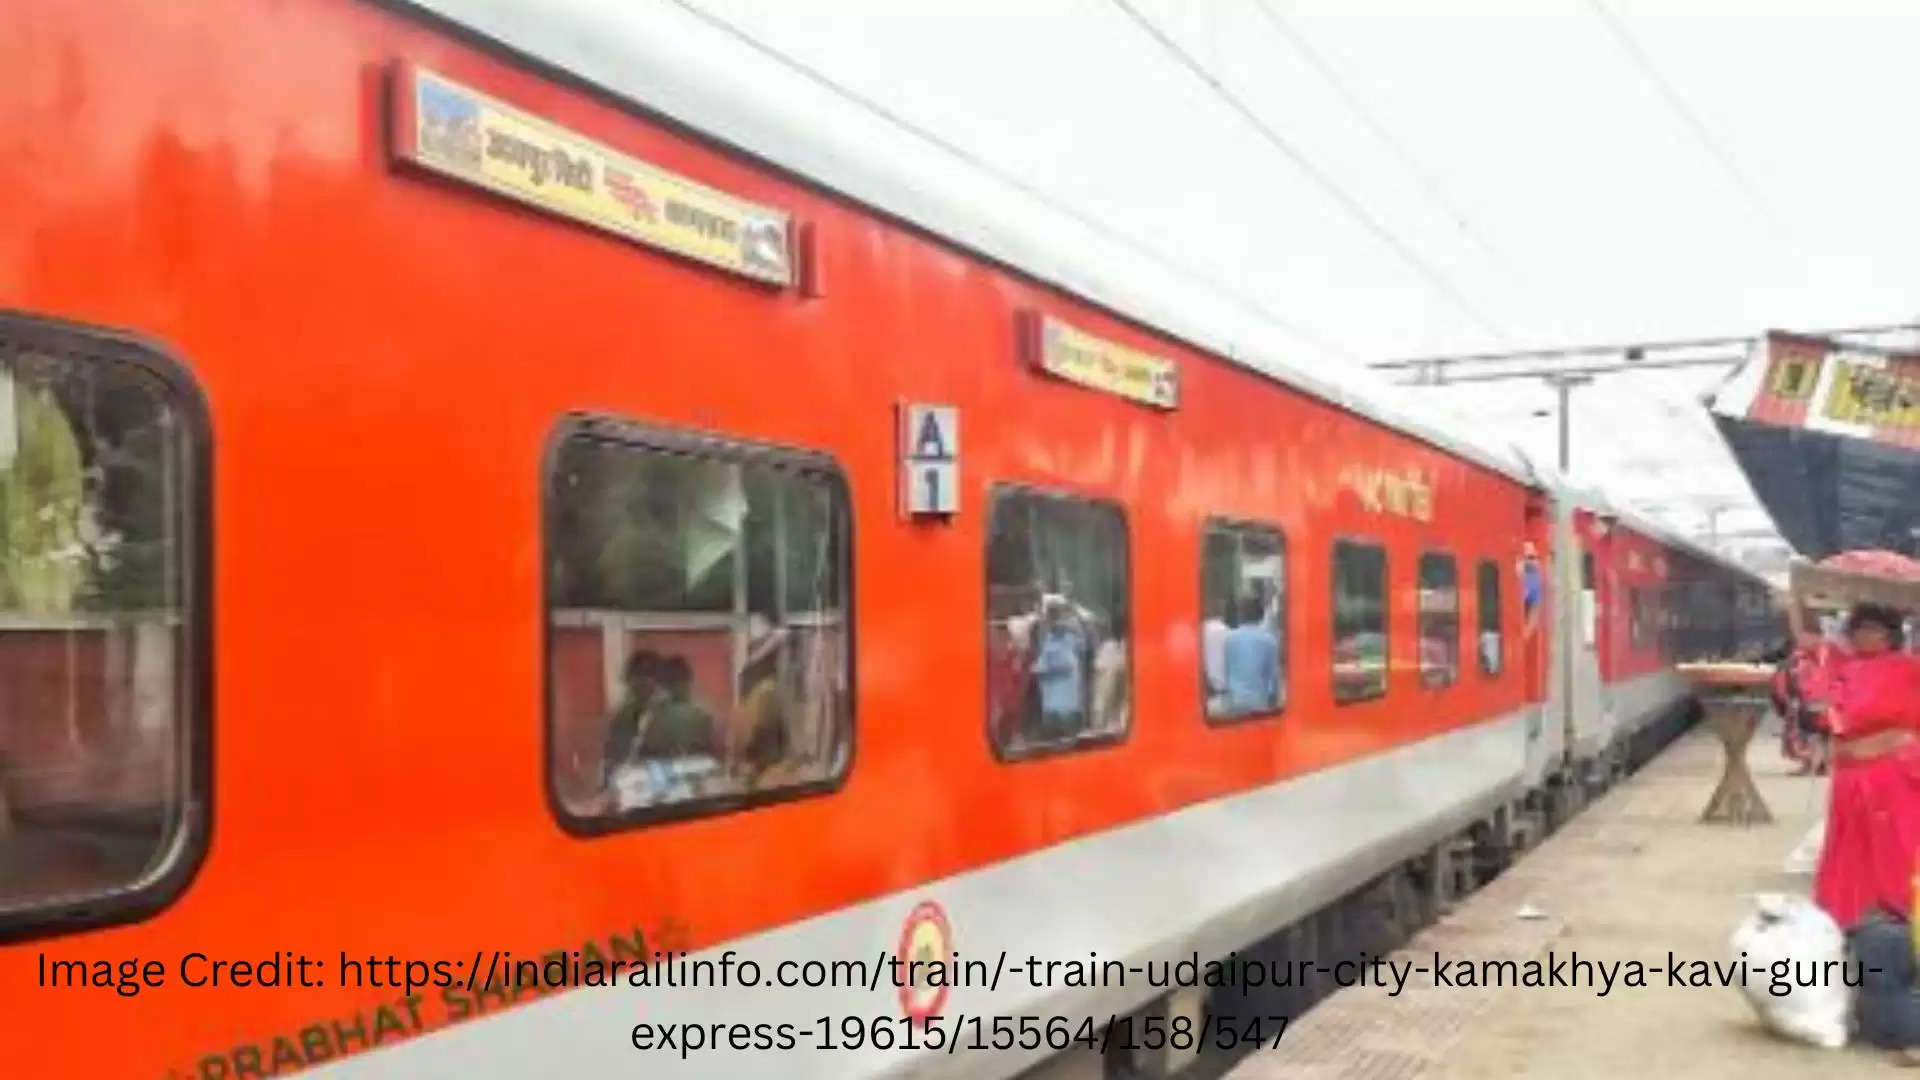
{"x":1664,"y":601}
{"x":1243,"y":585}
{"x":1647,"y":621}
{"x":698,"y":639}
{"x":1492,"y":641}
{"x":1439,"y":621}
{"x":1057,"y":644}
{"x":1589,"y":602}
{"x":1359,"y":620}
{"x":103,"y":651}
{"x":1684,"y":596}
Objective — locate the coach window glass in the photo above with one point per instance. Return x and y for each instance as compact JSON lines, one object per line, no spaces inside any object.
{"x":1589,"y":601}
{"x":102,"y":721}
{"x":1669,"y":622}
{"x":698,"y":641}
{"x":1243,"y":589}
{"x":1492,"y":641}
{"x":1439,"y":621}
{"x":1057,"y":622}
{"x":1359,"y":620}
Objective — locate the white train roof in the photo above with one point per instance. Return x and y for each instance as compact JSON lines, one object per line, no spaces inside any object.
{"x":669,"y":61}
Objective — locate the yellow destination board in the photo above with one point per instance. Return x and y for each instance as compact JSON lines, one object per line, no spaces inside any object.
{"x":1077,"y":356}
{"x":460,"y":133}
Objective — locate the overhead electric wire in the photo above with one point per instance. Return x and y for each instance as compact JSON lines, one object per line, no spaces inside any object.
{"x":1875,"y":329}
{"x":976,"y":161}
{"x":1687,"y":116}
{"x":1320,"y":179}
{"x":1421,"y":176}
{"x":1721,"y":155}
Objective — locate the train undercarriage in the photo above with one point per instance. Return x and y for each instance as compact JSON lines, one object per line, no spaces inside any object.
{"x":1371,"y":920}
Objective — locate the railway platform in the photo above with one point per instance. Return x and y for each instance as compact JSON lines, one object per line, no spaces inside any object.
{"x":1635,"y":877}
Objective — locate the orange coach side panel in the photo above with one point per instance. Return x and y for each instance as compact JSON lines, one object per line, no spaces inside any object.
{"x":385,"y":358}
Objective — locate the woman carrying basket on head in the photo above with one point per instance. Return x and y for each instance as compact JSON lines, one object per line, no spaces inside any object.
{"x":1873,"y":819}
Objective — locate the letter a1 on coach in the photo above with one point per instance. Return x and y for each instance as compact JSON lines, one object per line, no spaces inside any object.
{"x":929,"y":460}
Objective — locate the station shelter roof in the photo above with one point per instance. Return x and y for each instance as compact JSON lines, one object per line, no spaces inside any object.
{"x":1828,"y":434}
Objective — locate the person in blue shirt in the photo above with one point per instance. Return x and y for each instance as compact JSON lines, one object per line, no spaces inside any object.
{"x":1059,"y":669}
{"x":1531,"y":584}
{"x":1251,"y":657}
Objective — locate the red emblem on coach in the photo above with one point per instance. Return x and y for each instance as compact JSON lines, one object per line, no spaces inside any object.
{"x":925,"y":940}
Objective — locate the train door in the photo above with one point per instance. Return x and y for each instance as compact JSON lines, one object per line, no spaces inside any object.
{"x":1539,"y":653}
{"x":1587,"y":718}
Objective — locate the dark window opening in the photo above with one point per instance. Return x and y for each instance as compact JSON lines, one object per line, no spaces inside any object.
{"x":1492,"y":639}
{"x":1359,"y":621}
{"x":104,"y":778}
{"x":1243,"y":586}
{"x":699,"y":650}
{"x":1057,"y":615}
{"x":1439,"y":621}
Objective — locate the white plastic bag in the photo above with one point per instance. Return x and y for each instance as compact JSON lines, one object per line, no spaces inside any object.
{"x":1808,"y":948}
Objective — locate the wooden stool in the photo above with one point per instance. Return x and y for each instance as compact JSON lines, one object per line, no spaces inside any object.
{"x":1736,"y":801}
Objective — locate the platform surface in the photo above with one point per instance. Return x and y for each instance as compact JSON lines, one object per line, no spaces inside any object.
{"x":1634,"y":876}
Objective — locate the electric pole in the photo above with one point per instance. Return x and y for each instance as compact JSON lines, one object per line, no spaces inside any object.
{"x":1563,"y":386}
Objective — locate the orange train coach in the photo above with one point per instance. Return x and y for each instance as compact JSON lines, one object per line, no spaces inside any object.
{"x":479,"y":484}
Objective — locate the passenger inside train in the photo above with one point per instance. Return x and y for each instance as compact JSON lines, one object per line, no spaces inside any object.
{"x":1056,"y":622}
{"x":1243,"y":663}
{"x":716,"y":588}
{"x":1250,"y":661}
{"x":1531,"y":585}
{"x":1058,"y":663}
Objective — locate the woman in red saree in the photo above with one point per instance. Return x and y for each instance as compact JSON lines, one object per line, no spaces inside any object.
{"x":1873,"y":819}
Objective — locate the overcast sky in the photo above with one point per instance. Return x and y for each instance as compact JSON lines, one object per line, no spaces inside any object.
{"x":1402,"y":183}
